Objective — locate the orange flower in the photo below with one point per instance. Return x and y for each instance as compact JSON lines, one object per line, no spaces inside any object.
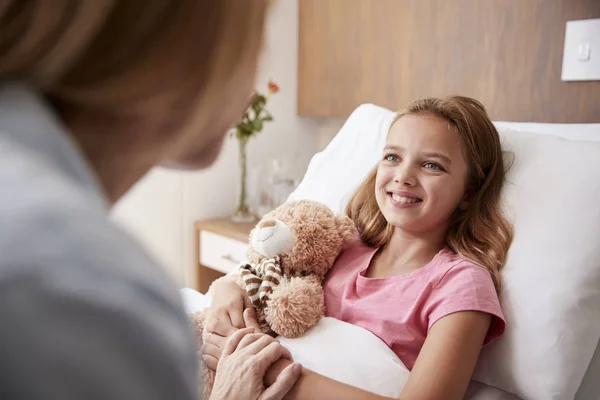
{"x":273,"y":87}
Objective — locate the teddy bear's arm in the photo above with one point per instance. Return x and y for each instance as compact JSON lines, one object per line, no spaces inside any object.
{"x":295,"y":306}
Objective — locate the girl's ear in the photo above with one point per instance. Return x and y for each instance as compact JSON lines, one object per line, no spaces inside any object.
{"x":467,"y":200}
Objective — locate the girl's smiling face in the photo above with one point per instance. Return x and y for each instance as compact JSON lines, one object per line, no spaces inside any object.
{"x":422,"y":175}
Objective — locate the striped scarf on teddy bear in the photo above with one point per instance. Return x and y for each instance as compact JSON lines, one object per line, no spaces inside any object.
{"x":261,"y":278}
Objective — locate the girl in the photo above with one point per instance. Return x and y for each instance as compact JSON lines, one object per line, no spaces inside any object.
{"x":424,"y":275}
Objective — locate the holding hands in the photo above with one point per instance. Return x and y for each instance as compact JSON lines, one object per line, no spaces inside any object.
{"x":240,"y":354}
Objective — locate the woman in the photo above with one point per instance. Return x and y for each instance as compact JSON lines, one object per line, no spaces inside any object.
{"x":94,"y":93}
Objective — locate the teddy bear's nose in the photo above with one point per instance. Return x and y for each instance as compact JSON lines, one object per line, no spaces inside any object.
{"x":269,"y":223}
{"x":272,"y":237}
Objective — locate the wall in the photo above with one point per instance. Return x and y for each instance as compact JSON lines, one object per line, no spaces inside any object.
{"x":162,"y":207}
{"x":507,"y":54}
{"x":327,"y":128}
{"x":152,"y":211}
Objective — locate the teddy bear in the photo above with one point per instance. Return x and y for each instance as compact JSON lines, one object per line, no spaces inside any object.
{"x":290,"y":251}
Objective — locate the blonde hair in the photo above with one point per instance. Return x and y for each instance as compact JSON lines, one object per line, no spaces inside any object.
{"x":122,"y":56}
{"x":480,"y":232}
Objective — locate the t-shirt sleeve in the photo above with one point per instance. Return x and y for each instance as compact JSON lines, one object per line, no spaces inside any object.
{"x":87,"y":337}
{"x":467,"y":287}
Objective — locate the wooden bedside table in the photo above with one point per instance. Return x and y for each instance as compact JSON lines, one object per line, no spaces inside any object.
{"x":220,"y":246}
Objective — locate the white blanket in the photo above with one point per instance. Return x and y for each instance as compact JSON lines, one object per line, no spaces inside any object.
{"x":350,"y":354}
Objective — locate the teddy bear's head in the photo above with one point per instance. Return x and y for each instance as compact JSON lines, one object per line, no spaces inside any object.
{"x":306,"y":234}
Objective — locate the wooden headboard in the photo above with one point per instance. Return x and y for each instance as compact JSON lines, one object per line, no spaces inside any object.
{"x":505,"y":53}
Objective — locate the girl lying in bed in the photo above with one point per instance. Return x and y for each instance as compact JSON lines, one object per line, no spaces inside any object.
{"x":425,"y":275}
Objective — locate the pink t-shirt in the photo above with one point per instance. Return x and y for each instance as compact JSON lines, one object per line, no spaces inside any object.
{"x":401,"y":309}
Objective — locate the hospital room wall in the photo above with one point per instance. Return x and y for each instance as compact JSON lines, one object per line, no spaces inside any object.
{"x":161,"y":209}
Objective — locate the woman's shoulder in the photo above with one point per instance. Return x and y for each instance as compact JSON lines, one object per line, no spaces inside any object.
{"x":57,"y":232}
{"x":56,"y":216}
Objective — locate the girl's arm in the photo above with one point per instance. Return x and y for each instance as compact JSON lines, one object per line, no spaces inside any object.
{"x":448,"y":357}
{"x":315,"y":386}
{"x":443,"y":369}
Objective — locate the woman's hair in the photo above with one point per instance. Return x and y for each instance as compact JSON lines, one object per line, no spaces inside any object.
{"x":133,"y":57}
{"x":480,"y":232}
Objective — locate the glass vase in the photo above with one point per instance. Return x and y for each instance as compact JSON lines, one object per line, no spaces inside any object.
{"x":243,"y":212}
{"x":276,"y":183}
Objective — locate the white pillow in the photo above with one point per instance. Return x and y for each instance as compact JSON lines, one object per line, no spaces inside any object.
{"x":552,"y":278}
{"x":333,"y":174}
{"x":551,"y":296}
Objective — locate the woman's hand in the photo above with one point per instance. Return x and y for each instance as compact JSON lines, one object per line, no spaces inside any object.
{"x":218,"y":332}
{"x":228,"y":304}
{"x":245,"y":359}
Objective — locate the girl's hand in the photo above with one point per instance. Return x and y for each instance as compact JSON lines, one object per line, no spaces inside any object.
{"x":228,"y":304}
{"x":246,"y":357}
{"x":218,"y":333}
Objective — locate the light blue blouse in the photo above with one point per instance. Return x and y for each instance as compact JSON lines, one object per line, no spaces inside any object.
{"x":85,"y":313}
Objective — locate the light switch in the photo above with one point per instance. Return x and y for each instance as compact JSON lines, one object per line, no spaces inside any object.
{"x":581,"y":55}
{"x":584,"y":50}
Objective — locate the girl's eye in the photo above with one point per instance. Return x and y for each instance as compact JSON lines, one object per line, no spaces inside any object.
{"x":391,"y":158}
{"x":433,"y":166}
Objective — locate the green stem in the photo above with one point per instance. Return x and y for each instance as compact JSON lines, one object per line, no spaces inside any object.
{"x":242,"y":206}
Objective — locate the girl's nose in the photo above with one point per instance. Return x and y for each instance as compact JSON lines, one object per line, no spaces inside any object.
{"x":405,"y":177}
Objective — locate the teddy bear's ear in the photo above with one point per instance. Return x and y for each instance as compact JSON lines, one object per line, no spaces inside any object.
{"x":347,"y":229}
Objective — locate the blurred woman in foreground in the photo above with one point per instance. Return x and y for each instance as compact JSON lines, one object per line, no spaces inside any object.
{"x":93,"y":94}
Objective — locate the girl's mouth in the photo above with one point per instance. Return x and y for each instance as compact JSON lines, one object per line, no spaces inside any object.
{"x":404,"y":199}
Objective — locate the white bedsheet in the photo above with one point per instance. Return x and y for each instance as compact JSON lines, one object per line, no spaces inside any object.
{"x":350,"y":354}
